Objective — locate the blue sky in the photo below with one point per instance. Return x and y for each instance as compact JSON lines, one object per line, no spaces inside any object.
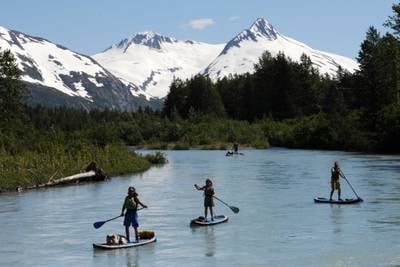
{"x":90,"y":26}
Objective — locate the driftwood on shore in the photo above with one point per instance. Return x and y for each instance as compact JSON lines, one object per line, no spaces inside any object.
{"x":92,"y":173}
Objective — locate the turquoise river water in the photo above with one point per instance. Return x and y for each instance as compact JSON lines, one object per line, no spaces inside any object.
{"x":278,"y":223}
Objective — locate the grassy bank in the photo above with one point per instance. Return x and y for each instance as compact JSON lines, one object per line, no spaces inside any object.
{"x":35,"y":167}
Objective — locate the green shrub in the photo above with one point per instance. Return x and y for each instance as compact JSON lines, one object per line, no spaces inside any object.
{"x":156,"y":158}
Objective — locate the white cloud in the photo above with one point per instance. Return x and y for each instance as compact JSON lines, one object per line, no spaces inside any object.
{"x":199,"y":24}
{"x":234,"y":18}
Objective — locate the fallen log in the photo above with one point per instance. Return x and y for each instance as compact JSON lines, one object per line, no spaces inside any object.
{"x":92,"y":173}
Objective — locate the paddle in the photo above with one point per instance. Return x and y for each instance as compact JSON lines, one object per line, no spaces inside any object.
{"x":233,"y":208}
{"x":99,"y":224}
{"x":351,"y":187}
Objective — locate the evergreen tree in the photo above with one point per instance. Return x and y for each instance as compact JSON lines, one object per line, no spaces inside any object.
{"x":176,"y":99}
{"x":393,"y":22}
{"x":247,"y":94}
{"x":368,"y":74}
{"x":11,"y":88}
{"x":230,"y":88}
{"x":203,"y":96}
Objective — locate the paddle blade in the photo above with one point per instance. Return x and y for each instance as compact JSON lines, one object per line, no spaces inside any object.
{"x":97,"y":225}
{"x":234,"y":209}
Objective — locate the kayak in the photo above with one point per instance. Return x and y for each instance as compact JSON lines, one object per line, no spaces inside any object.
{"x":234,"y":154}
{"x":201,"y":222}
{"x":344,"y":201}
{"x":129,"y":245}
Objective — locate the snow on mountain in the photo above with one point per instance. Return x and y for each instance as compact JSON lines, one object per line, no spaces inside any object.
{"x":140,"y":69}
{"x":242,"y":52}
{"x":49,"y":65}
{"x":151,"y":61}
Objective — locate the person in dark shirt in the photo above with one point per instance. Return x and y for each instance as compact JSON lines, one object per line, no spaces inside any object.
{"x":208,"y":198}
{"x":235,"y":148}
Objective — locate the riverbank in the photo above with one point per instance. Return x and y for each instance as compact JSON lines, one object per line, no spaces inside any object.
{"x":212,"y":146}
{"x":30,"y":168}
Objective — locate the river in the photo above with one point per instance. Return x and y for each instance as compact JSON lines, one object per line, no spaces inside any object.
{"x":278,"y":223}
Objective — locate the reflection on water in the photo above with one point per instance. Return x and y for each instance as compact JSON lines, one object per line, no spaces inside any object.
{"x":336,"y":218}
{"x":278,"y":223}
{"x":129,"y":257}
{"x":209,"y":238}
{"x":132,"y":259}
{"x":210,"y":241}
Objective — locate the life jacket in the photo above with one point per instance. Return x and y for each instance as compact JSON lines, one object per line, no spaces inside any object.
{"x":335,"y":174}
{"x":208,"y":191}
{"x":130,"y":203}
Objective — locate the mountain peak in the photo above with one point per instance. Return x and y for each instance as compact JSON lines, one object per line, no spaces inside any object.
{"x":147,"y":33}
{"x":261,"y":27}
{"x":147,"y":38}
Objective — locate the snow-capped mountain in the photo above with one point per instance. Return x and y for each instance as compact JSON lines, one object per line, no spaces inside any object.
{"x":151,"y":61}
{"x":242,"y":52}
{"x":56,"y":73}
{"x":138,"y":71}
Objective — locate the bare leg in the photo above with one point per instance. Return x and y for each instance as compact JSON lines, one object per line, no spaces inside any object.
{"x":212,"y":213}
{"x":205,"y":213}
{"x":330,"y":198}
{"x":339,"y":194}
{"x":136,"y":234}
{"x":127,"y":232}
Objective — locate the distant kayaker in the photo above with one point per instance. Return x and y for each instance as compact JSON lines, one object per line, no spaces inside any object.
{"x":235,"y":148}
{"x":130,"y":204}
{"x":336,"y":173}
{"x":208,"y":198}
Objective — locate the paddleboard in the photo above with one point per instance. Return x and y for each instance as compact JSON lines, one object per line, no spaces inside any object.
{"x":141,"y":242}
{"x":217,"y":219}
{"x":342,"y":202}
